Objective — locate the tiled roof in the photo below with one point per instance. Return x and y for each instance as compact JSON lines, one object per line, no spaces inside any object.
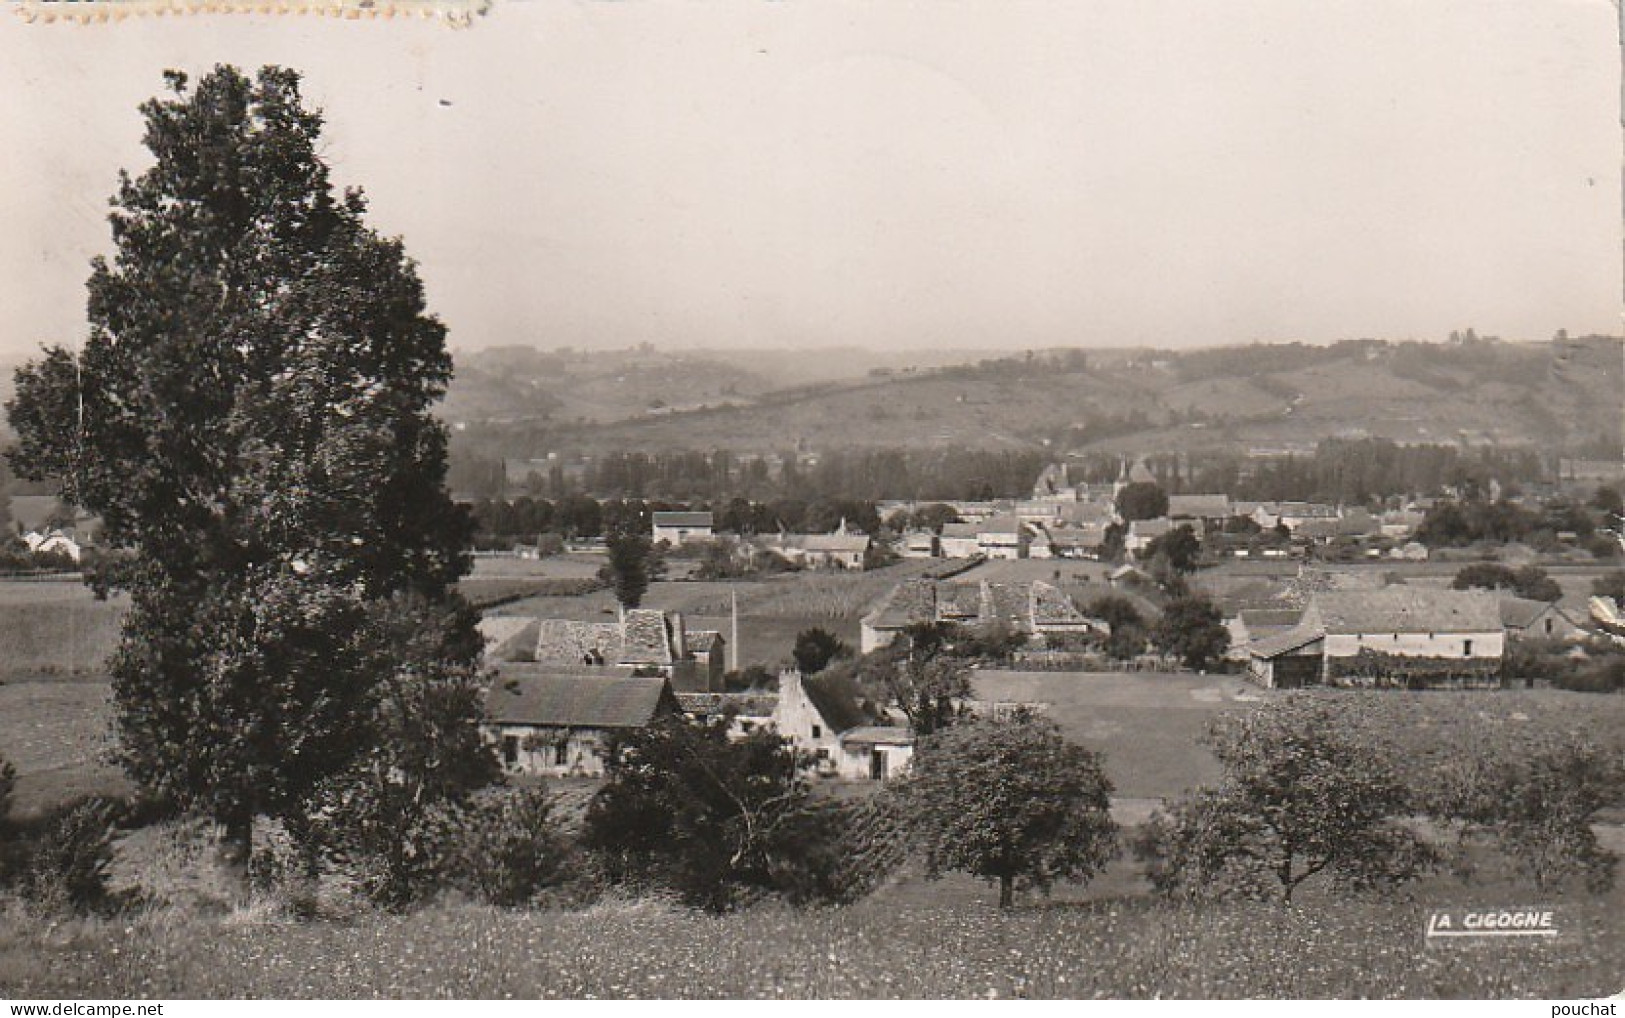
{"x":910,"y":602}
{"x":1051,"y":606}
{"x":745,"y":705}
{"x":524,"y":696}
{"x":508,"y":637}
{"x":1521,"y":612}
{"x":1000,"y":525}
{"x":1259,"y":619}
{"x":564,"y":642}
{"x":836,"y":700}
{"x":827,"y":542}
{"x":1203,"y":506}
{"x":682,"y":519}
{"x":875,"y":735}
{"x":1151,"y":528}
{"x":704,"y":641}
{"x":964,"y":531}
{"x":1005,"y":602}
{"x":1284,"y":643}
{"x":958,"y":601}
{"x":648,"y":637}
{"x":1405,"y":609}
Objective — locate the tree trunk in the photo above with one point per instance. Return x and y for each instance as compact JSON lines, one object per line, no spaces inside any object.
{"x":235,"y":850}
{"x":1007,"y":891}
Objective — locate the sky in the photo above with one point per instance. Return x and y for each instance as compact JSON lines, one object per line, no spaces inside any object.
{"x":902,"y":174}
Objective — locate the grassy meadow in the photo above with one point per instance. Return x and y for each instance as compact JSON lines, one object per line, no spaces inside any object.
{"x":1115,"y":948}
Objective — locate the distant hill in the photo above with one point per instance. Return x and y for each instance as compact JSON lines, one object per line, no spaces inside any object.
{"x":1561,"y":395}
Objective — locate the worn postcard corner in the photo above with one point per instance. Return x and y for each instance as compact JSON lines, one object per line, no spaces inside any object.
{"x":455,"y":12}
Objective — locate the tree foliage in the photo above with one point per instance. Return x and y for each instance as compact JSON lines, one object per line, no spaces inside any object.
{"x":1192,"y":629}
{"x":1180,"y":547}
{"x":1301,"y":795}
{"x":713,"y":819}
{"x":250,"y":419}
{"x":1527,"y":581}
{"x":815,"y":648}
{"x":1142,"y":500}
{"x":1537,"y":804}
{"x":1011,"y":801}
{"x":631,"y":565}
{"x":922,"y":674}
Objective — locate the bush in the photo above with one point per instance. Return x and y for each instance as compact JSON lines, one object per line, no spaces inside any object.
{"x":718,"y":821}
{"x":503,"y":847}
{"x":67,"y":862}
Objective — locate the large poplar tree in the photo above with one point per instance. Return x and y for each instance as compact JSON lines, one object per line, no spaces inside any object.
{"x":250,"y":417}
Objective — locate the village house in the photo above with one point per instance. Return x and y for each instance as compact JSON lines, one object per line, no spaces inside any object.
{"x":1247,"y":625}
{"x":1208,"y":512}
{"x":919,"y":544}
{"x":1034,"y":608}
{"x":51,"y":542}
{"x":1523,"y":618}
{"x":1075,"y":542}
{"x":1003,"y":537}
{"x":553,"y":724}
{"x":821,"y":716}
{"x":746,"y":712}
{"x":1142,"y":532}
{"x":844,"y":549}
{"x":960,"y":540}
{"x":1398,"y":635}
{"x":680,"y":528}
{"x":645,"y":641}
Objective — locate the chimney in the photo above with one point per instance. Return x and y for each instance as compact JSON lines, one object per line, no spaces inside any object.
{"x":679,"y":637}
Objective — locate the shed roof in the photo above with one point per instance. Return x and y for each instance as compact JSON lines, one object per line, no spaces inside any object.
{"x":876,"y":735}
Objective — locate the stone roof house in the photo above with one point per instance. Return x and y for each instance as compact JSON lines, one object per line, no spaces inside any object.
{"x":556,"y":724}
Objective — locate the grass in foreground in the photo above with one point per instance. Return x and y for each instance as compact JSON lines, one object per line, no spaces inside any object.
{"x":1113,"y":949}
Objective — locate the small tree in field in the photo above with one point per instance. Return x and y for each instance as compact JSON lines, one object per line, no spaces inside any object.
{"x":815,"y":648}
{"x":1010,"y":801}
{"x":1192,"y":630}
{"x":1300,"y":796}
{"x":1537,"y":804}
{"x":630,"y":567}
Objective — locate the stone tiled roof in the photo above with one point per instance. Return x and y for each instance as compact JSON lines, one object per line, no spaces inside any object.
{"x":704,"y":641}
{"x":910,"y":602}
{"x":568,"y":643}
{"x":958,"y":601}
{"x":1009,"y":603}
{"x":1405,"y":609}
{"x":523,"y":695}
{"x":1001,"y":525}
{"x":1050,"y":606}
{"x":963,"y":531}
{"x":648,"y":637}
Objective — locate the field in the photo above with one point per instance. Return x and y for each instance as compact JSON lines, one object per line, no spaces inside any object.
{"x":55,"y":627}
{"x":1108,"y":948}
{"x":55,"y":733}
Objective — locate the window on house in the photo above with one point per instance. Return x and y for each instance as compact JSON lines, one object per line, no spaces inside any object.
{"x":1548,"y":627}
{"x":818,"y":732}
{"x":823,"y":754}
{"x":510,"y":749}
{"x":561,"y":753}
{"x":1466,"y":648}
